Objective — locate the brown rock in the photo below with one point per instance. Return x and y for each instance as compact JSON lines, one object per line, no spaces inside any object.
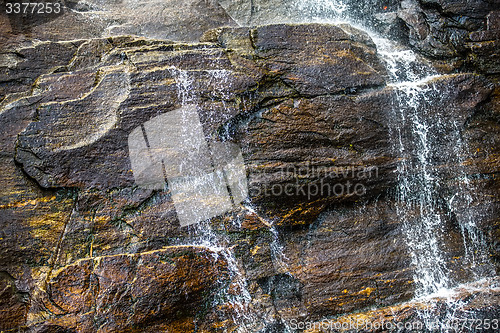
{"x":443,"y":30}
{"x":462,"y":311}
{"x":310,"y":151}
{"x":351,"y":259}
{"x":94,"y":19}
{"x":334,"y":56}
{"x":13,"y":303}
{"x":22,"y":65}
{"x":493,"y":20}
{"x":127,"y":291}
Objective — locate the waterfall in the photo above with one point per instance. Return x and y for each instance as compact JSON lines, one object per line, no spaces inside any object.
{"x":416,"y":193}
{"x":277,"y":251}
{"x":420,"y":210}
{"x":416,"y":139}
{"x":417,"y":190}
{"x":461,"y":204}
{"x":235,"y":294}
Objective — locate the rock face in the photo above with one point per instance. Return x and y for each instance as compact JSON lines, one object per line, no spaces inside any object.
{"x":158,"y":289}
{"x":378,"y":15}
{"x":466,"y":32}
{"x":95,"y":18}
{"x":85,"y":249}
{"x":407,"y":317}
{"x":459,"y":33}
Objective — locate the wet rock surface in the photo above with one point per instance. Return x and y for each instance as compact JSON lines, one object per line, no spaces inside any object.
{"x":464,"y":32}
{"x":156,"y":289}
{"x":84,"y":249}
{"x":425,"y":315}
{"x":79,"y":19}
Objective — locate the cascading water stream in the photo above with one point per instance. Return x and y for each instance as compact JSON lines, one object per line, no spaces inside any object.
{"x":214,"y":237}
{"x":239,"y":297}
{"x":461,"y":204}
{"x":412,"y":136}
{"x":419,"y":207}
{"x":320,"y":10}
{"x":415,"y":140}
{"x":279,"y":258}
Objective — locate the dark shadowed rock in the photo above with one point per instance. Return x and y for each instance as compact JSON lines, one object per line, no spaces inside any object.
{"x":20,"y":66}
{"x":454,"y":29}
{"x":334,"y":162}
{"x":13,"y":303}
{"x":94,"y":18}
